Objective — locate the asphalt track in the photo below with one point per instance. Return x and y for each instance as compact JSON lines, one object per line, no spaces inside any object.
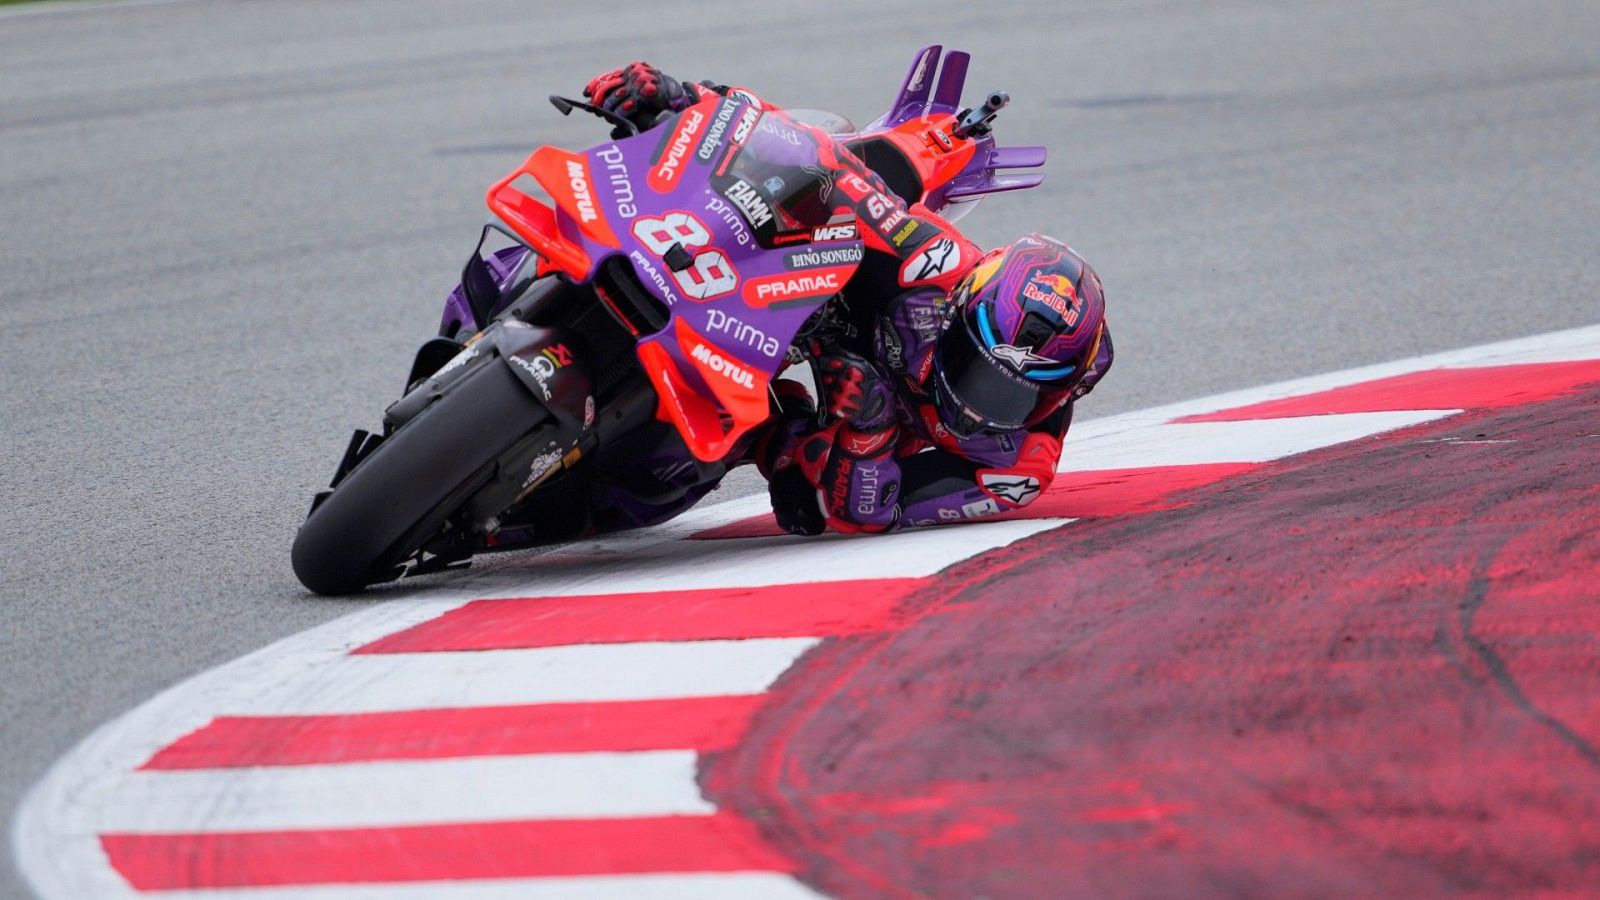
{"x":225,"y":225}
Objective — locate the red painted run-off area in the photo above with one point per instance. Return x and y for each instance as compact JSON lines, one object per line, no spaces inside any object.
{"x":1368,"y":671}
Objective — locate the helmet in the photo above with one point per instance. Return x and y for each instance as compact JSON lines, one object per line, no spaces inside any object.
{"x":1022,"y":331}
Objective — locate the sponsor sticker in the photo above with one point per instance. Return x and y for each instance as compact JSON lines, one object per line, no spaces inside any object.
{"x":842,"y":232}
{"x":743,"y":332}
{"x":1012,"y":490}
{"x":825,"y":256}
{"x":664,"y":174}
{"x":718,"y":128}
{"x":727,"y":368}
{"x":578,"y":183}
{"x":617,"y":178}
{"x":750,"y":202}
{"x":935,"y":260}
{"x":1058,"y":293}
{"x":783,"y":288}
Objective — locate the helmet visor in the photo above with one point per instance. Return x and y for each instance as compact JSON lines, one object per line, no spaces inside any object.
{"x":982,"y":389}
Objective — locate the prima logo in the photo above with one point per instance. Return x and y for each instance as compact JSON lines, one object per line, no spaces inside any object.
{"x":743,"y":332}
{"x":621,"y":184}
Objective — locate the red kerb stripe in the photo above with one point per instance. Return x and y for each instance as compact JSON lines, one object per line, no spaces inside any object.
{"x":819,"y":609}
{"x":1072,"y":495}
{"x":700,"y":723}
{"x":721,"y":842}
{"x":1119,"y":492}
{"x":1488,"y":387}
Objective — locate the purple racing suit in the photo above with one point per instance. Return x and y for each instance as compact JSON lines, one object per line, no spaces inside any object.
{"x":894,"y":464}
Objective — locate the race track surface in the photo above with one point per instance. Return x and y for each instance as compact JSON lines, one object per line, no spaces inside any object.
{"x":226,"y":225}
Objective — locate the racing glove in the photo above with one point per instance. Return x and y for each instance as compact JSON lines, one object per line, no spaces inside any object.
{"x":793,"y":496}
{"x":853,"y":390}
{"x":641,"y":93}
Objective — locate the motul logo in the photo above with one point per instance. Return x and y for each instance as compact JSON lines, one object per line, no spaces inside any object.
{"x":664,"y":176}
{"x":726,"y":368}
{"x":578,"y":181}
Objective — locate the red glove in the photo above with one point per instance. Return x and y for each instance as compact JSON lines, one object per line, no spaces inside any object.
{"x":853,"y":390}
{"x":640,"y":93}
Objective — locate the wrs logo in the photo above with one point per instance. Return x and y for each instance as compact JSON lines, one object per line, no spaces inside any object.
{"x":725,"y":367}
{"x":664,"y":176}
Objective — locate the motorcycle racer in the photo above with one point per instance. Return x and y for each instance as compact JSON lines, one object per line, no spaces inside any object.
{"x":948,"y":376}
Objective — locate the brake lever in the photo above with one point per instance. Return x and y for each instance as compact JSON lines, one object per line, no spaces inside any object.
{"x":565,"y":106}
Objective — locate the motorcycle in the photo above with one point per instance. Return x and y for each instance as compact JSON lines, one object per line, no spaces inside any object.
{"x":643,"y":312}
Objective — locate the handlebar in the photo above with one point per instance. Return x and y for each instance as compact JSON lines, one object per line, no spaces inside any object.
{"x":566,"y":106}
{"x":979,"y":122}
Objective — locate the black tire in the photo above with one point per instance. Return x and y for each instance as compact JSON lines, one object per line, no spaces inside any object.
{"x":400,"y":496}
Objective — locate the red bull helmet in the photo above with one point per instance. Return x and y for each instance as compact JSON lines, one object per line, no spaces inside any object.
{"x":1024,"y":328}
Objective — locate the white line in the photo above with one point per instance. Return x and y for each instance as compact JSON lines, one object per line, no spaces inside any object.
{"x":57,"y":7}
{"x":1250,"y":441}
{"x":387,"y":682}
{"x":696,"y":886}
{"x":404,"y":792}
{"x":627,"y":563}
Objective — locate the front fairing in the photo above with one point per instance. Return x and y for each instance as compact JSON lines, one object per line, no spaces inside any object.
{"x":716,"y":215}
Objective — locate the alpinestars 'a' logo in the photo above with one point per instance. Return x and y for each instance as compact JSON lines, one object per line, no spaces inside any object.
{"x":934,"y":260}
{"x":1018,"y":357}
{"x":1016,"y":490}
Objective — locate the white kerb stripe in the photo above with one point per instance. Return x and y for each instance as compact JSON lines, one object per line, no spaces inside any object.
{"x":387,"y":682}
{"x":625,"y":565}
{"x":694,"y":886}
{"x":1252,"y":441}
{"x":395,"y":793}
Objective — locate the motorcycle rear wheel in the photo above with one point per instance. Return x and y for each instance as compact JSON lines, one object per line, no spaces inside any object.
{"x":398,"y":499}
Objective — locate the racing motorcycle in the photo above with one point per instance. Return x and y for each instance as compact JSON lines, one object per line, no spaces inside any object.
{"x":660,"y":290}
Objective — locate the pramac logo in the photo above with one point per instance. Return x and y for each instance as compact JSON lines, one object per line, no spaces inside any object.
{"x":664,"y":174}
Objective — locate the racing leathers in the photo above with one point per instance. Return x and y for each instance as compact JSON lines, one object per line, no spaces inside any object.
{"x":886,"y":460}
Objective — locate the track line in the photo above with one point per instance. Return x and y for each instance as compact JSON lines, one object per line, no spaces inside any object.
{"x":400,"y":792}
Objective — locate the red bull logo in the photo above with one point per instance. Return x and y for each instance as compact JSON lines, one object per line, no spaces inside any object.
{"x":1058,"y":293}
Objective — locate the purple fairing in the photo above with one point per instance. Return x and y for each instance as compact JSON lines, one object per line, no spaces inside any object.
{"x":924,"y":95}
{"x":504,"y":265}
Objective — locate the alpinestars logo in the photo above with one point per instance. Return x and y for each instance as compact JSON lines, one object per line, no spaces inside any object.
{"x":937,"y":258}
{"x":1016,"y":490}
{"x":1018,"y":357}
{"x":726,"y":368}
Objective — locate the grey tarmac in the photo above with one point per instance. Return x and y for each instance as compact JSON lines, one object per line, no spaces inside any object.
{"x":225,"y":225}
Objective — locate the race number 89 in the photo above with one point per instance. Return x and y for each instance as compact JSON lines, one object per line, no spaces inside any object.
{"x":711,"y":275}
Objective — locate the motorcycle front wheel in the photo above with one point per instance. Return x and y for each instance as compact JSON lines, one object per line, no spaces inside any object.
{"x":400,"y":497}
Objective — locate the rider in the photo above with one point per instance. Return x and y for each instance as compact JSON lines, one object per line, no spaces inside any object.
{"x":948,"y":380}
